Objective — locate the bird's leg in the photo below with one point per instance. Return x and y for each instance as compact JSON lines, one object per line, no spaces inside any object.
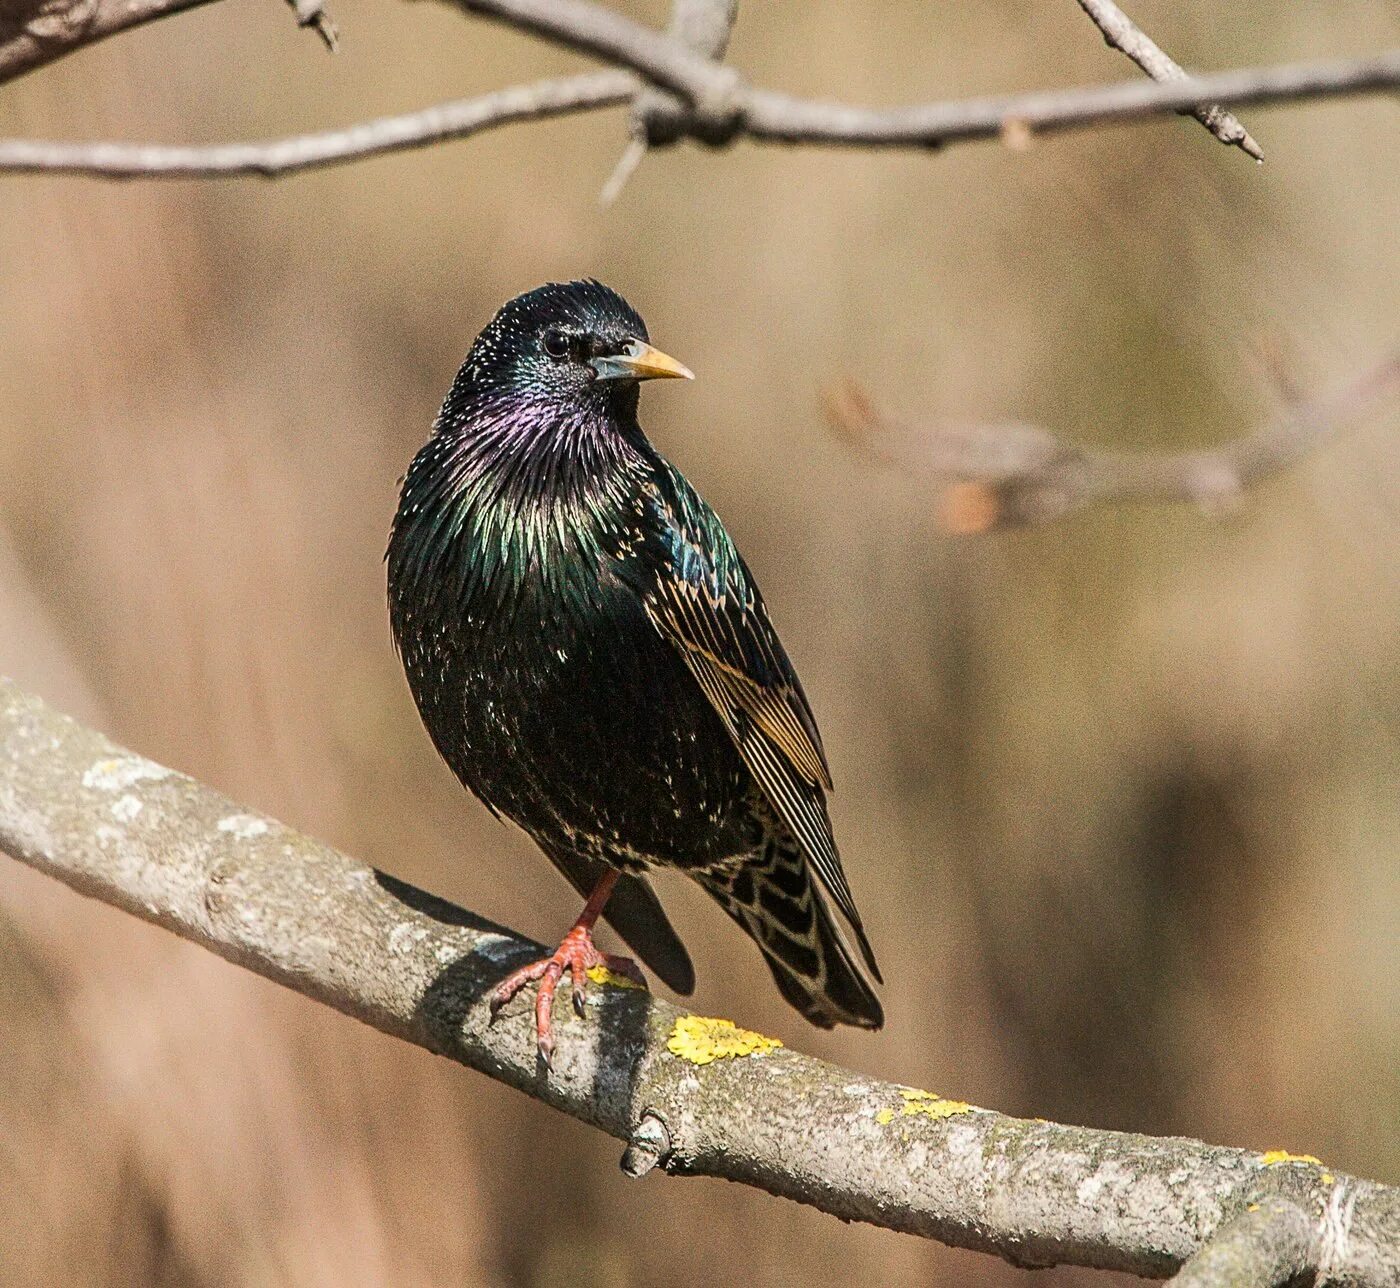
{"x":577,"y":954}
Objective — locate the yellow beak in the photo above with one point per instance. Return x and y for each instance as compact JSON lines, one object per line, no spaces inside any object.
{"x":640,"y":361}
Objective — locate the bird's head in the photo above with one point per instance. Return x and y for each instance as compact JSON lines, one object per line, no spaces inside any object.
{"x":566,"y":343}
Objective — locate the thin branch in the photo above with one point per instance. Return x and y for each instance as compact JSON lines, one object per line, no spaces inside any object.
{"x":723,"y":107}
{"x":690,"y":1096}
{"x":34,"y":33}
{"x":313,"y":14}
{"x":1266,"y":1246}
{"x":1012,"y":474}
{"x":1121,"y":33}
{"x":764,"y":116}
{"x":710,"y":101}
{"x":703,"y":26}
{"x":458,"y":119}
{"x":709,"y":87}
{"x":51,"y":31}
{"x":790,"y":120}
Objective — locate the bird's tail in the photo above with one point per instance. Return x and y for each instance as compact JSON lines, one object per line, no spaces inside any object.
{"x":771,"y":894}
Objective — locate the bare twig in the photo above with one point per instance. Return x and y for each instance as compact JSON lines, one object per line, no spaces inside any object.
{"x":313,"y":14}
{"x":790,"y":120}
{"x":711,"y":89}
{"x":722,"y":107}
{"x":1008,"y":475}
{"x":701,"y":25}
{"x":1124,"y":35}
{"x":126,"y":831}
{"x":52,"y":30}
{"x":707,"y":99}
{"x":765,"y":116}
{"x":458,"y":119}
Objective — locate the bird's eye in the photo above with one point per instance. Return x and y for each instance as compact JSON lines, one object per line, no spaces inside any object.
{"x":556,"y":343}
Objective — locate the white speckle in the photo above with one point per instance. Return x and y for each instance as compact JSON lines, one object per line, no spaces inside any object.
{"x":1337,"y":1220}
{"x":404,"y":937}
{"x":492,"y":947}
{"x":243,"y":826}
{"x":1110,"y":1175}
{"x":446,"y":954}
{"x":118,"y":774}
{"x":126,"y":809}
{"x":106,"y":834}
{"x":855,"y":1089}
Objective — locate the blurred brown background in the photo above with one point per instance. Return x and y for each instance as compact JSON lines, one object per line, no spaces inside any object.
{"x":1118,"y":796}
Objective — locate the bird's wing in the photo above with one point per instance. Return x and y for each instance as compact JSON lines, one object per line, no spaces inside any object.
{"x":702,"y":598}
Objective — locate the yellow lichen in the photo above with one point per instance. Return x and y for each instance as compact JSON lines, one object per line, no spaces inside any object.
{"x":602,"y":975}
{"x":923,"y":1102}
{"x":1275,"y":1156}
{"x":701,"y":1040}
{"x":1328,"y":1178}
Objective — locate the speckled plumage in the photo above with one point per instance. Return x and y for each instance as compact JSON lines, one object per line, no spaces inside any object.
{"x":592,"y":658}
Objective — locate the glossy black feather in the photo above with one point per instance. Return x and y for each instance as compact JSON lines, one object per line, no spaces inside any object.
{"x":593,"y":659}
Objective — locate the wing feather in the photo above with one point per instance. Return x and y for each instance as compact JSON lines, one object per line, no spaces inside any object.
{"x":705,"y":603}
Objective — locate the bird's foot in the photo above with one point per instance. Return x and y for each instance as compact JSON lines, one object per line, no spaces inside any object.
{"x":577,"y":955}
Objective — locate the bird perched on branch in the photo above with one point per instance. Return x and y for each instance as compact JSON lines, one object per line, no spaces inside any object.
{"x":593,"y":659}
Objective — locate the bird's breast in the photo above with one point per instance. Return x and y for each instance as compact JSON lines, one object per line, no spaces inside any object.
{"x":575,"y":719}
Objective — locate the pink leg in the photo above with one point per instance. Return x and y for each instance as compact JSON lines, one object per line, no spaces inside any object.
{"x":576,"y":954}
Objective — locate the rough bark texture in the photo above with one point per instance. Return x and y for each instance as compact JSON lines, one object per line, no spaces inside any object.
{"x":122,"y":829}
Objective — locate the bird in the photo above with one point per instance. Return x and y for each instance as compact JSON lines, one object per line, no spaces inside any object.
{"x":593,"y":659}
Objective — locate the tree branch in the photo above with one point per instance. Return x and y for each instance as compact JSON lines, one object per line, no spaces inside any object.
{"x":1010,"y":475}
{"x":763,"y":116}
{"x":710,"y":88}
{"x":1121,"y":33}
{"x":689,"y":1095}
{"x":703,"y":26}
{"x":678,"y":86}
{"x":36,"y":32}
{"x":1265,"y":1246}
{"x":458,"y":119}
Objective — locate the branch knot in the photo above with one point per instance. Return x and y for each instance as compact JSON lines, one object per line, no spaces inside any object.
{"x":650,"y":1145}
{"x":717,"y":113}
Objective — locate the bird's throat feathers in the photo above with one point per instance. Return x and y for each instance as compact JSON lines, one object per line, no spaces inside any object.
{"x":514,"y":498}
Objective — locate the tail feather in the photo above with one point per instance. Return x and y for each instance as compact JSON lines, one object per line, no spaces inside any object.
{"x":772,"y":896}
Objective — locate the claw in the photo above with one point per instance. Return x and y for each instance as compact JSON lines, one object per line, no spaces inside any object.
{"x":579,"y":980}
{"x":577,"y":955}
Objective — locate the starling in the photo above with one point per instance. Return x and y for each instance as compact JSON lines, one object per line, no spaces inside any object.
{"x":592,"y":658}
